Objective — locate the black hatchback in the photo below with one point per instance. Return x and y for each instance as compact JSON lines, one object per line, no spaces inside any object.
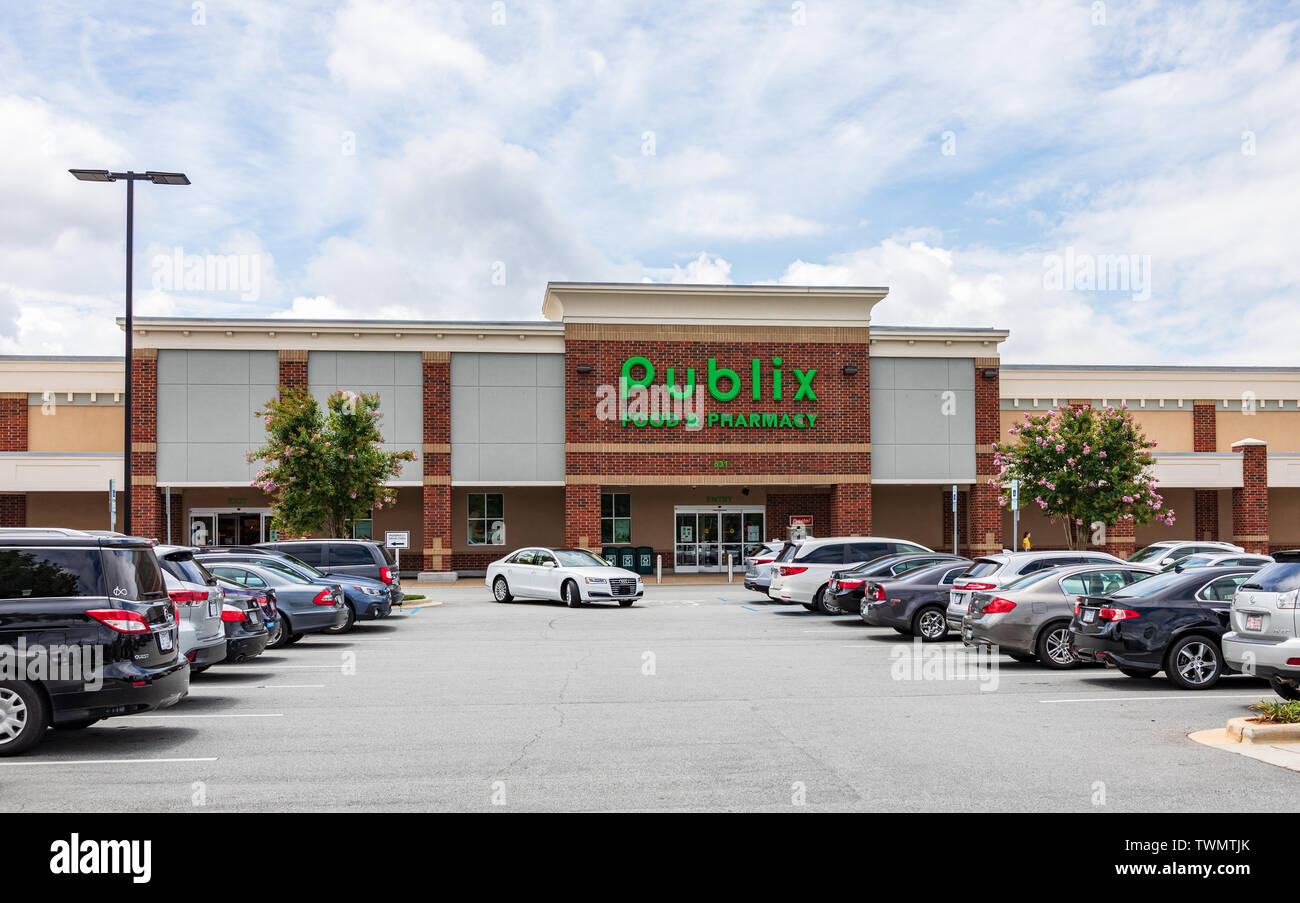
{"x":1171,"y":622}
{"x":87,"y":632}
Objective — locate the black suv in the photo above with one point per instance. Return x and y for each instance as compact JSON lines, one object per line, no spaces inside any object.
{"x":87,"y":632}
{"x":356,"y":557}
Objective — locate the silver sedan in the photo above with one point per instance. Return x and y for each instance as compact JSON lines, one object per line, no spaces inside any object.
{"x":1029,"y":618}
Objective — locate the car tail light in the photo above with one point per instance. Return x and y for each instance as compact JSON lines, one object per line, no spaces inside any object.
{"x":999,"y":606}
{"x":1289,"y":600}
{"x":188,"y":597}
{"x":232,"y":614}
{"x":880,"y":593}
{"x":790,"y":571}
{"x":977,"y":587}
{"x":120,"y":620}
{"x":762,"y":560}
{"x":176,"y":613}
{"x":386,"y":575}
{"x":851,"y":584}
{"x":1117,"y":614}
{"x":324,"y":597}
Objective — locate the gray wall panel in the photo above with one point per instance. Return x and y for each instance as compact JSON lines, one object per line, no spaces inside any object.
{"x":507,"y":417}
{"x":395,"y":376}
{"x":911,"y":435}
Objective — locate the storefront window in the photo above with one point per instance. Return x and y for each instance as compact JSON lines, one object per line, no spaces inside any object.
{"x":363,"y":529}
{"x":486,"y":525}
{"x":615,"y":517}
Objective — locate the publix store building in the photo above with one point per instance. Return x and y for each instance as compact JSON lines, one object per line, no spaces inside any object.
{"x":687,"y":419}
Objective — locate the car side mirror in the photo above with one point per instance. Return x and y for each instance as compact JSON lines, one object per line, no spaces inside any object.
{"x":548,"y":564}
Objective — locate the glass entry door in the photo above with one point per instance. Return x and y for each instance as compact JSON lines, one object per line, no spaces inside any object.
{"x":704,"y":537}
{"x":228,"y":528}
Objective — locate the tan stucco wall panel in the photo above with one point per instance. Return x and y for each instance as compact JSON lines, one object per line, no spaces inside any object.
{"x":75,"y":428}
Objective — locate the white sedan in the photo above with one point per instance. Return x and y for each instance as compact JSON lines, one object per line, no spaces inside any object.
{"x":573,"y":576}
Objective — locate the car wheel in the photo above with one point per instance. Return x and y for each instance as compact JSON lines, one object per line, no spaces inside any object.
{"x":1022,"y":657}
{"x":77,"y":725}
{"x":277,"y":637}
{"x":822,"y":602}
{"x":501,"y":590}
{"x":930,"y":624}
{"x":572,"y":597}
{"x":1053,"y":647}
{"x":1284,"y":688}
{"x":1194,"y":663}
{"x":1137,"y":673}
{"x":347,"y":625}
{"x":24,"y":716}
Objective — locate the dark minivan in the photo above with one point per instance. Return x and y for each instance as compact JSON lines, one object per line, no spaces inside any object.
{"x":87,"y":632}
{"x":356,"y":557}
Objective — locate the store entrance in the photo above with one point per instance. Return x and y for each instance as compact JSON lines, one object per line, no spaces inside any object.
{"x":703,"y":536}
{"x":224,"y":527}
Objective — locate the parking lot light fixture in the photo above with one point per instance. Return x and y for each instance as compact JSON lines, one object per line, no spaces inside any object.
{"x":130,"y":177}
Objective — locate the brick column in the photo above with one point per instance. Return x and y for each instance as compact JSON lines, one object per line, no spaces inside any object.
{"x":436,"y":466}
{"x":1205,"y":439}
{"x":147,"y":516}
{"x":293,"y":369}
{"x":1120,"y":539}
{"x":1250,"y":501}
{"x":180,"y":534}
{"x":851,"y":509}
{"x":13,"y":438}
{"x":582,"y":515}
{"x":963,"y":520}
{"x":985,"y":512}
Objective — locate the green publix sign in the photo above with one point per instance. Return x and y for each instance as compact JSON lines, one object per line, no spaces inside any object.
{"x":672,"y":405}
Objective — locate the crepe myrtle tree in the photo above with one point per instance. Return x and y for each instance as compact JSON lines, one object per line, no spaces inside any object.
{"x":324,"y":469}
{"x":1082,"y":466}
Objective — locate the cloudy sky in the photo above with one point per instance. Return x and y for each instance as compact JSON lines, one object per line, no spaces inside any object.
{"x":444,"y":160}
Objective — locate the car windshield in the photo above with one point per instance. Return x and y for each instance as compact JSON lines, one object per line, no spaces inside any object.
{"x":1191,"y":561}
{"x":1028,"y":579}
{"x":877,"y":564}
{"x":1148,"y":553}
{"x":1279,"y":577}
{"x":580,"y":558}
{"x":303,"y":566}
{"x":287,"y":575}
{"x":184,"y":566}
{"x":983,"y":568}
{"x":1148,"y":587}
{"x":787,"y":553}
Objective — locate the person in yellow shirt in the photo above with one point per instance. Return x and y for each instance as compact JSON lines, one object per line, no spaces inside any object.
{"x":1025,"y":543}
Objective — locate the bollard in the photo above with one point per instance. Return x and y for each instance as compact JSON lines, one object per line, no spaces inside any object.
{"x":729,"y":567}
{"x":659,"y":569}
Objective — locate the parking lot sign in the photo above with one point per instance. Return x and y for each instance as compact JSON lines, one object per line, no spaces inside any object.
{"x":397,"y":539}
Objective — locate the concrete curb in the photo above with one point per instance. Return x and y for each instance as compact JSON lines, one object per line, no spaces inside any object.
{"x":1248,"y":730}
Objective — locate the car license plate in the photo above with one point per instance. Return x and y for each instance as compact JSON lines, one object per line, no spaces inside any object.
{"x":1089,"y":615}
{"x":1254,"y":622}
{"x":213,"y":610}
{"x":969,"y":633}
{"x":165,"y":641}
{"x":958,"y":600}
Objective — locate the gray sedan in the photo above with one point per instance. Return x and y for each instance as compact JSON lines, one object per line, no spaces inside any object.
{"x":1029,"y":618}
{"x":305,"y":607}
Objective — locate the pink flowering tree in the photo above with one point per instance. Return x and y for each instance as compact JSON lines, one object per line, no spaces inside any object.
{"x":1082,"y":466}
{"x":324,"y":469}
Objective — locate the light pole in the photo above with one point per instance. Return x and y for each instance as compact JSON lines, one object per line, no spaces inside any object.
{"x":158,"y":178}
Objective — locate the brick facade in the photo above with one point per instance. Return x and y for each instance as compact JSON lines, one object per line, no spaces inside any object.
{"x":1206,"y":515}
{"x":147,"y":515}
{"x":1120,"y":539}
{"x":293,"y":369}
{"x":834,"y":451}
{"x":780,"y":506}
{"x":1205,"y":438}
{"x":13,"y":422}
{"x":1250,"y":502}
{"x":985,"y":513}
{"x":1204,"y":431}
{"x":436,"y":462}
{"x":13,"y":510}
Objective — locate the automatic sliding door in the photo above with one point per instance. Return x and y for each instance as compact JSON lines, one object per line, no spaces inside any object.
{"x":685,"y":537}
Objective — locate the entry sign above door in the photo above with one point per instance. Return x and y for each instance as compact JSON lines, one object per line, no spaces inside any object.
{"x":397,"y":539}
{"x":801,"y":520}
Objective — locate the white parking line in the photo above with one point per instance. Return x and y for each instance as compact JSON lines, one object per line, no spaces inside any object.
{"x":1118,"y":698}
{"x":232,"y":715}
{"x":21,"y":763}
{"x":218,"y":690}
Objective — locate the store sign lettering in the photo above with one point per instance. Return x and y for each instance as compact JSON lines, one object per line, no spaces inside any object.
{"x":645,"y":403}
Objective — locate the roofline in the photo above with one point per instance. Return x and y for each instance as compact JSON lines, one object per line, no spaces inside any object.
{"x":1171,"y":368}
{"x":292,"y":323}
{"x":717,"y":288}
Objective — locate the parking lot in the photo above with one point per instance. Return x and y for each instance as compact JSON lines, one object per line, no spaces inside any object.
{"x":698,"y":697}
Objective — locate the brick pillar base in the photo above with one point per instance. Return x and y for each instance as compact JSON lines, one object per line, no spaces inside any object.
{"x":851,"y":509}
{"x":148,"y":512}
{"x":985,"y":519}
{"x":436,"y":559}
{"x":1207,"y":515}
{"x":293,"y":369}
{"x":13,"y":510}
{"x":1250,"y":501}
{"x":1120,"y":539}
{"x":582,"y":515}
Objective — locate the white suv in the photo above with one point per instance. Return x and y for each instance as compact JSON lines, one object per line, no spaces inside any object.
{"x":1170,"y":551}
{"x":1265,"y":635}
{"x":991,"y":571}
{"x":802,"y":576}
